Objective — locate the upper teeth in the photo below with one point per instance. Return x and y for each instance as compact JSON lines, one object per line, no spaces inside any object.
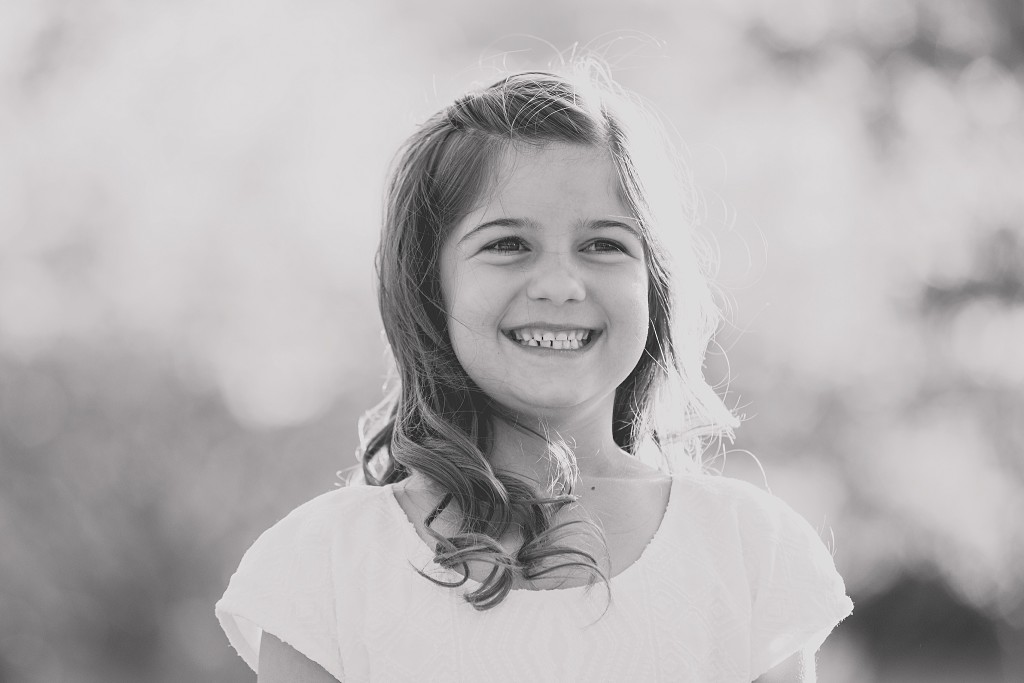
{"x":568,"y":339}
{"x":547,"y":335}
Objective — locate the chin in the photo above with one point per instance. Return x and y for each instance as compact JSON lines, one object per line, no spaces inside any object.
{"x":551,"y":405}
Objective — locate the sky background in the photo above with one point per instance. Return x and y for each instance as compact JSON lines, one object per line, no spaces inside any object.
{"x":189,"y":207}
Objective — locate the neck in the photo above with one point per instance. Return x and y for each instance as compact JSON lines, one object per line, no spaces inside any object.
{"x":519,"y":445}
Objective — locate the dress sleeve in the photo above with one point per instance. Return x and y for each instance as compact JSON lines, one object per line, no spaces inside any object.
{"x":797,"y":596}
{"x":284,"y":585}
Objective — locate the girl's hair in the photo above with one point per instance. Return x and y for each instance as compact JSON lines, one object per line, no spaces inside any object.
{"x":435,"y":420}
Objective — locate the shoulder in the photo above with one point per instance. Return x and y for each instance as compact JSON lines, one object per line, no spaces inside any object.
{"x":326,"y":528}
{"x":768,"y":532}
{"x":738,"y":500}
{"x":286,"y":579}
{"x":796,"y":594}
{"x":329,"y":515}
{"x":348,"y":498}
{"x":721,"y":485}
{"x":310,"y":544}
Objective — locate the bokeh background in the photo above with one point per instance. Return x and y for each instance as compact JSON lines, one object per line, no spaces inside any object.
{"x":189,"y":201}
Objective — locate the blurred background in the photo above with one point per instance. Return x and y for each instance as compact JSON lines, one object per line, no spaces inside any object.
{"x":189,"y":204}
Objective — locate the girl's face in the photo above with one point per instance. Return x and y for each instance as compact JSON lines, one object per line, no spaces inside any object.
{"x":545,"y":283}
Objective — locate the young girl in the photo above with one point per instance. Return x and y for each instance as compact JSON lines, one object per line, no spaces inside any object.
{"x":548,"y":312}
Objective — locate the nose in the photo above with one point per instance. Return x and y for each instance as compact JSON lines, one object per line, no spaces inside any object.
{"x":555,"y":280}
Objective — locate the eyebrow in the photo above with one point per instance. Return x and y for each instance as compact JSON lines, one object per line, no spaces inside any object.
{"x":528,"y":223}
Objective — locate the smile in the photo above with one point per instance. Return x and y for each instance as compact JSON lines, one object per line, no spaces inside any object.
{"x":561,"y":339}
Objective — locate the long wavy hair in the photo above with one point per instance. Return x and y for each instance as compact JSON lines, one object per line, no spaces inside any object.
{"x":435,"y":421}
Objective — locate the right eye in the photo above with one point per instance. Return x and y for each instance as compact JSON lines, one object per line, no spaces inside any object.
{"x":506,"y":245}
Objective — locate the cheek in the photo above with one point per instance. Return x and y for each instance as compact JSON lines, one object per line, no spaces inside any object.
{"x":633,"y":301}
{"x":472,"y":310}
{"x":476,"y":297}
{"x":473,"y":318}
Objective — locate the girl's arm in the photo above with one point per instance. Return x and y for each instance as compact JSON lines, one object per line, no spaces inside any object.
{"x":281,"y":663}
{"x":797,"y":669}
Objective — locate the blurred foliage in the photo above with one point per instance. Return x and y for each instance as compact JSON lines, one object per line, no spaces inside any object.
{"x":188,"y":210}
{"x":127,"y":499}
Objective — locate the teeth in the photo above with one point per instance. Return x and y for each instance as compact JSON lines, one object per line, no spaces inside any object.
{"x":566,"y":340}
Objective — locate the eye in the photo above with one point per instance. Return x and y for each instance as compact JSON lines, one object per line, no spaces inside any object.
{"x":606,"y":246}
{"x":506,"y":245}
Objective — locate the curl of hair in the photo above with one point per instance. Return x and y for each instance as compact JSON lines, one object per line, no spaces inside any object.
{"x":435,"y":420}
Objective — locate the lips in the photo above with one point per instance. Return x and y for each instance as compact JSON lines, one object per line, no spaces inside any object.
{"x":558,"y":338}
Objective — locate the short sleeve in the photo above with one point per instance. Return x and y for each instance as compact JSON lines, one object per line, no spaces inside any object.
{"x":284,"y":585}
{"x":797,"y":596}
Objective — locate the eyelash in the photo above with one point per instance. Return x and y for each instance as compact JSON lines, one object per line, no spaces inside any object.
{"x":495,"y":247}
{"x":615,"y":246}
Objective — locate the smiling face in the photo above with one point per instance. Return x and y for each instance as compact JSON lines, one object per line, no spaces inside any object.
{"x":545,"y":283}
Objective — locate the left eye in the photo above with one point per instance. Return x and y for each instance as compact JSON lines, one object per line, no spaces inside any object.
{"x":605,"y":246}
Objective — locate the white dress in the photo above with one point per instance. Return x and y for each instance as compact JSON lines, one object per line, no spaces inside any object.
{"x":733,"y":582}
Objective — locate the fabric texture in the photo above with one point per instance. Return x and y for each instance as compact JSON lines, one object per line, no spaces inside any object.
{"x":733,"y":582}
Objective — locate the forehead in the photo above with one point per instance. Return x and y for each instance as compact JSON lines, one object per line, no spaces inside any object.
{"x":558,"y":181}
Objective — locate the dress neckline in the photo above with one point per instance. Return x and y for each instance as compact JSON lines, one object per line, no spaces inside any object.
{"x":423,"y":557}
